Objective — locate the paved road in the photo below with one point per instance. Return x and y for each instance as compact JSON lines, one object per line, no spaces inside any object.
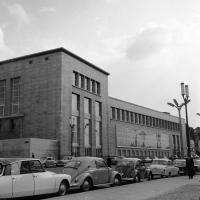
{"x":135,"y":191}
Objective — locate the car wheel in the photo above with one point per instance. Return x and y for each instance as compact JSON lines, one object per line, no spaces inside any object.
{"x":117,"y":181}
{"x":63,"y":188}
{"x":87,"y":185}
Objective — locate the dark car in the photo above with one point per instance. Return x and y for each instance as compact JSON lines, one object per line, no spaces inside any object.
{"x":132,"y":169}
{"x":87,"y":172}
{"x":63,"y":161}
{"x":181,"y":164}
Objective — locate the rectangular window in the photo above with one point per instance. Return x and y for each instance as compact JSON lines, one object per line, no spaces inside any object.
{"x":139,"y":118}
{"x":132,"y":119}
{"x":143,"y":120}
{"x":75,"y":137}
{"x":75,"y":102}
{"x":93,"y":86}
{"x":98,"y":88}
{"x":127,"y":116}
{"x":15,"y":95}
{"x":75,"y":78}
{"x":98,"y":134}
{"x":123,"y":115}
{"x":87,"y":106}
{"x":113,"y":113}
{"x":98,"y":109}
{"x":87,"y":84}
{"x":2,"y":96}
{"x":118,"y":114}
{"x":150,"y":121}
{"x":136,"y":118}
{"x":82,"y":82}
{"x":87,"y":138}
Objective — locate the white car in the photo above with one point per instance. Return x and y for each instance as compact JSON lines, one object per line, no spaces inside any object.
{"x":163,"y":167}
{"x":27,"y":177}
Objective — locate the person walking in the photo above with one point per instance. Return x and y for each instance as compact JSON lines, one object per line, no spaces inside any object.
{"x":33,"y":155}
{"x":190,"y":167}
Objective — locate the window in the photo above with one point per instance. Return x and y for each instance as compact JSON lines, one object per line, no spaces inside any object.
{"x":87,"y":106}
{"x":15,"y":95}
{"x":75,"y":102}
{"x":24,"y":168}
{"x":98,"y":134}
{"x":87,"y":84}
{"x":118,"y":114}
{"x":112,"y":113}
{"x":132,"y":119}
{"x":139,"y":118}
{"x":97,"y":109}
{"x":136,"y":118}
{"x":127,"y":116}
{"x":87,"y":138}
{"x":75,"y":136}
{"x":98,"y":89}
{"x":35,"y":166}
{"x":82,"y":84}
{"x":7,"y":170}
{"x":123,"y":116}
{"x":143,"y":120}
{"x":15,"y":169}
{"x":100,"y":164}
{"x":2,"y":96}
{"x":75,"y":79}
{"x":93,"y":86}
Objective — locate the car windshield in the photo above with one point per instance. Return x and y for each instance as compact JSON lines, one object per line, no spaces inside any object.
{"x":73,"y":164}
{"x":125,"y":163}
{"x":160,"y":162}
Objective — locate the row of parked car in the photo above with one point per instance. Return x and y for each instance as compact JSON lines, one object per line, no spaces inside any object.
{"x":27,"y":177}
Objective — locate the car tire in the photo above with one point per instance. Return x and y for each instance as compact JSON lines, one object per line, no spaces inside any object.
{"x":117,"y":181}
{"x":64,"y":186}
{"x":87,"y":185}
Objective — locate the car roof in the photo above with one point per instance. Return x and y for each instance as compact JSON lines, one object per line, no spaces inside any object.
{"x":6,"y":161}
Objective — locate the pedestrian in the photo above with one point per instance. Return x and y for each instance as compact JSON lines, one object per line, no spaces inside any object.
{"x":190,"y":167}
{"x":33,"y":155}
{"x":109,"y":161}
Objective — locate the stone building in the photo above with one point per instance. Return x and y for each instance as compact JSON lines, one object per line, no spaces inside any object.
{"x":57,"y":103}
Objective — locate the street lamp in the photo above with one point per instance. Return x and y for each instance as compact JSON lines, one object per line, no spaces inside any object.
{"x":185,"y":95}
{"x":72,"y":125}
{"x":178,"y":107}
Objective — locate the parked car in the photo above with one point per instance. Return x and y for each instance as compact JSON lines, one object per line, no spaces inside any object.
{"x":27,"y":177}
{"x":181,"y":164}
{"x":87,"y":172}
{"x":163,"y":167}
{"x":132,"y":169}
{"x":197,"y":166}
{"x":63,"y":161}
{"x":48,"y":161}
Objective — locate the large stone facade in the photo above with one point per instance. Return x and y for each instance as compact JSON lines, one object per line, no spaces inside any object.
{"x":36,"y":101}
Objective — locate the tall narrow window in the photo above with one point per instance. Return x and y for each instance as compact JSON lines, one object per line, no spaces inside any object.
{"x":87,"y":106}
{"x":93,"y":86}
{"x":2,"y":96}
{"x":87,"y":139}
{"x":75,"y":102}
{"x":15,"y":95}
{"x":98,"y":134}
{"x":98,"y":88}
{"x":118,"y":114}
{"x":75,"y":79}
{"x":112,"y":113}
{"x":87,"y":84}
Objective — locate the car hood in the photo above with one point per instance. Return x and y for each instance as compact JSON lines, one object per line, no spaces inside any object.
{"x":157,"y":166}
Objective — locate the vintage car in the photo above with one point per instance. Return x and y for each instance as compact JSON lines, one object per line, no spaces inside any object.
{"x":27,"y":177}
{"x":181,"y":164}
{"x":87,"y":172}
{"x":63,"y":161}
{"x":48,"y":162}
{"x":163,"y":167}
{"x":197,"y":166}
{"x":132,"y":169}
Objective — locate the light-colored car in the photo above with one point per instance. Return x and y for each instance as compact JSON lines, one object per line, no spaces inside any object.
{"x":197,"y":166}
{"x":48,"y":161}
{"x":87,"y":172}
{"x":163,"y":167}
{"x":27,"y":177}
{"x":63,"y":161}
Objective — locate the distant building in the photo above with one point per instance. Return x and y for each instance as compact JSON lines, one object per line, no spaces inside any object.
{"x":57,"y":97}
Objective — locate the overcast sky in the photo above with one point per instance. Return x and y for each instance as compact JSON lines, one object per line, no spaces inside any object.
{"x":148,"y":46}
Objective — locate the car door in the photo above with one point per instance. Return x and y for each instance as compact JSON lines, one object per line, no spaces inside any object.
{"x":103,"y":171}
{"x":44,"y":180}
{"x":5,"y":182}
{"x":23,"y":183}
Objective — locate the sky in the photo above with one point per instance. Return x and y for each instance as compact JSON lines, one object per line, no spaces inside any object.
{"x":148,"y":46}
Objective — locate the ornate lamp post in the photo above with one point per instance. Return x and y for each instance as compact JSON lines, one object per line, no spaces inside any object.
{"x":178,"y":107}
{"x":185,"y":95}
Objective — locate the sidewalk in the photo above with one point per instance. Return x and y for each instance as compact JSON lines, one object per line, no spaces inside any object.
{"x":190,"y":191}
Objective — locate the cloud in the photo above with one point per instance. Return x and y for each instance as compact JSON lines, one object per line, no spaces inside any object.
{"x":47,"y":9}
{"x":148,"y":41}
{"x":18,"y":11}
{"x":5,"y":52}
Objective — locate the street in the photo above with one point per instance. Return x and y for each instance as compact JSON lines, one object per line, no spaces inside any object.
{"x":137,"y":191}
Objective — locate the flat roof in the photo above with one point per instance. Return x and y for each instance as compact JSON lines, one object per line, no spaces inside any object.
{"x":60,"y":49}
